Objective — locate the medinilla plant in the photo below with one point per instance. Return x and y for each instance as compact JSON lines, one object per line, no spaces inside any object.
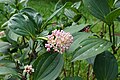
{"x":26,"y":48}
{"x":34,"y":49}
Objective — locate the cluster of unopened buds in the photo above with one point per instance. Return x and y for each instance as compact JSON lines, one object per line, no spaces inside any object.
{"x":59,"y":41}
{"x":28,"y":69}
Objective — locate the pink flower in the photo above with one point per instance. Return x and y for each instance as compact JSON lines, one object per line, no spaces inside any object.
{"x":48,"y":49}
{"x":59,"y":41}
{"x":28,"y":69}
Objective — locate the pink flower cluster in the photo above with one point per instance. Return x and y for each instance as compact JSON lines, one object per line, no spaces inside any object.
{"x":59,"y":41}
{"x":28,"y":69}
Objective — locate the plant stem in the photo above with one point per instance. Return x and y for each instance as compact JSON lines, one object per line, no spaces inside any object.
{"x":93,"y":76}
{"x":24,"y":40}
{"x":110,"y":33}
{"x":112,"y":38}
{"x":33,"y":54}
{"x":24,"y":77}
{"x":64,"y":71}
{"x":88,"y":73}
{"x":113,"y":33}
{"x":72,"y":65}
{"x":33,"y":50}
{"x":78,"y":68}
{"x":102,"y":31}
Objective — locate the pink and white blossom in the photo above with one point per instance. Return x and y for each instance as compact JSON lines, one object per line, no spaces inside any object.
{"x":59,"y":41}
{"x":28,"y":69}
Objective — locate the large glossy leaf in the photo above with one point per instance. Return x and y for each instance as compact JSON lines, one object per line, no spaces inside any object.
{"x":7,"y":63}
{"x":74,"y":28}
{"x":91,"y":47}
{"x":12,"y":37}
{"x":48,"y":66}
{"x":22,"y":25}
{"x":105,"y":66}
{"x":79,"y":37}
{"x":98,"y":8}
{"x":37,"y":18}
{"x":73,"y":78}
{"x":4,"y":46}
{"x":29,"y":11}
{"x":5,"y":70}
{"x":112,"y":15}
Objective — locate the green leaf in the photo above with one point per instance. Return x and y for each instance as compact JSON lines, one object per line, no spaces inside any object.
{"x":73,"y":78}
{"x":117,"y":3}
{"x":74,"y":28}
{"x":5,"y":70}
{"x":79,"y":37}
{"x":24,"y":56}
{"x":98,"y":8}
{"x":57,"y":11}
{"x":112,"y":15}
{"x":58,"y":5}
{"x":117,"y":41}
{"x":4,"y":46}
{"x":76,"y":5}
{"x":29,"y":11}
{"x":23,"y":3}
{"x":111,"y":3}
{"x":91,"y":60}
{"x":7,"y":63}
{"x":48,"y":66}
{"x":2,"y":57}
{"x":7,"y":1}
{"x":12,"y":37}
{"x":35,"y":16}
{"x":72,"y":14}
{"x":69,"y":13}
{"x":77,"y":17}
{"x":91,"y":47}
{"x":22,"y":25}
{"x":105,"y":66}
